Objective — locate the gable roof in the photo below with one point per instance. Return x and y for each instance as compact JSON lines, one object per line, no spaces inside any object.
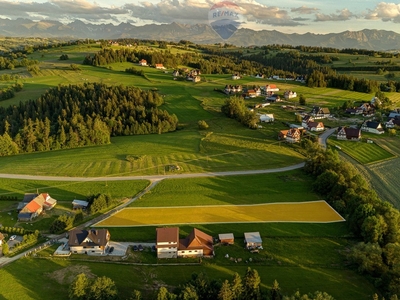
{"x":31,"y":207}
{"x":92,"y":237}
{"x":350,"y":132}
{"x":252,"y":237}
{"x":372,"y":124}
{"x":196,"y":240}
{"x":28,"y":197}
{"x":80,"y":202}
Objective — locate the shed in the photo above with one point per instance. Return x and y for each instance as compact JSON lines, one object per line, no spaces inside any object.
{"x":226,"y":238}
{"x":252,"y":240}
{"x":80,"y":204}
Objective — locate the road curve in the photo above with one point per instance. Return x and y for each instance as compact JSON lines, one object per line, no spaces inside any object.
{"x":152,"y":177}
{"x":324,"y":136}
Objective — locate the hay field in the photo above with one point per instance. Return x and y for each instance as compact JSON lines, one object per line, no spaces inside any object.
{"x":305,"y":212}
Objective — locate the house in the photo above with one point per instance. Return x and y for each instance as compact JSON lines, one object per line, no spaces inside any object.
{"x":167,"y":242}
{"x":226,"y":238}
{"x":252,"y":240}
{"x":197,"y":244}
{"x":250,"y":94}
{"x":293,"y":135}
{"x":35,"y":207}
{"x":372,"y":127}
{"x":92,"y":241}
{"x":348,"y":134}
{"x":175,"y":73}
{"x":79,"y":204}
{"x":143,"y":62}
{"x":392,"y":123}
{"x":268,"y":118}
{"x":159,"y":66}
{"x":259,"y":75}
{"x":28,"y":197}
{"x":273,"y":98}
{"x":282,"y":134}
{"x":375,"y":101}
{"x":290,"y":94}
{"x":1,"y":238}
{"x":231,"y":89}
{"x":305,"y":120}
{"x":320,"y":112}
{"x":315,"y":126}
{"x":354,"y":111}
{"x":236,"y":76}
{"x":270,"y":89}
{"x":394,"y":114}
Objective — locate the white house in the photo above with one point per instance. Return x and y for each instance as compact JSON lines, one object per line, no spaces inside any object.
{"x":290,"y":95}
{"x":372,"y":127}
{"x":91,"y":242}
{"x":252,"y":240}
{"x":167,"y":242}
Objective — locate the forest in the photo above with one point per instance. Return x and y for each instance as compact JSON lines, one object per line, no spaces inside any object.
{"x":80,"y":115}
{"x":374,"y":221}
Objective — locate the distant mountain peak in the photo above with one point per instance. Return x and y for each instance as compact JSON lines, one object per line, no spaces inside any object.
{"x":371,"y":39}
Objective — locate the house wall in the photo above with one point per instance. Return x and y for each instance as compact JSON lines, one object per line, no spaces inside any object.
{"x":95,"y":250}
{"x":190,"y":253}
{"x":227,"y":241}
{"x":167,"y":252}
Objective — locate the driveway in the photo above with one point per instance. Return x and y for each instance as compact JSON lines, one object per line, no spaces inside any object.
{"x":120,"y":248}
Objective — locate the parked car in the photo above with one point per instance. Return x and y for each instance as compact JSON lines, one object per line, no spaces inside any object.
{"x":135,"y":248}
{"x":111,"y":250}
{"x":140,"y":247}
{"x":13,"y":237}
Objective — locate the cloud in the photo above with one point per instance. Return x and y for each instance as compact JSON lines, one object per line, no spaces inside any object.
{"x":385,"y":12}
{"x":304,"y":10}
{"x":60,"y":9}
{"x":342,"y":15}
{"x":196,"y":11}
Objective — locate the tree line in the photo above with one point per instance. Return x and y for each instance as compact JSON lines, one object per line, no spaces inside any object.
{"x":9,"y":92}
{"x":11,"y":63}
{"x":198,"y":287}
{"x":79,"y":115}
{"x":375,"y":222}
{"x":235,"y":108}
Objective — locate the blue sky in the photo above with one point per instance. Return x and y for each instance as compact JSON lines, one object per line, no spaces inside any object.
{"x":291,"y":16}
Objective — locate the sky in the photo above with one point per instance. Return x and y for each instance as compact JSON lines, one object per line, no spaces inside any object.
{"x":289,"y":16}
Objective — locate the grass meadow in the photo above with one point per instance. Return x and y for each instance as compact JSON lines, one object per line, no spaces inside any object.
{"x":364,"y":153}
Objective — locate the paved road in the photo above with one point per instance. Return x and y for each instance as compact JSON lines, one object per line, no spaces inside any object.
{"x":324,"y":136}
{"x":153,"y":177}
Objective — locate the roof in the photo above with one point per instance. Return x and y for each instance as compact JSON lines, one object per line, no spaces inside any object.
{"x":372,"y":124}
{"x":31,"y":207}
{"x":24,"y":216}
{"x":226,"y":236}
{"x":252,"y":237}
{"x":315,"y":124}
{"x":350,"y":132}
{"x":28,"y":197}
{"x":197,"y":239}
{"x":168,"y":234}
{"x":92,"y":237}
{"x":50,"y":202}
{"x":80,"y":202}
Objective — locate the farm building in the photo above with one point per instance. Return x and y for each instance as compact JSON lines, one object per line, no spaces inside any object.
{"x":167,"y":242}
{"x":35,"y":207}
{"x":392,"y":123}
{"x":226,"y":238}
{"x":290,"y":94}
{"x":268,"y":118}
{"x":143,"y":62}
{"x":79,"y":204}
{"x":252,"y":240}
{"x":197,"y":244}
{"x":293,"y":135}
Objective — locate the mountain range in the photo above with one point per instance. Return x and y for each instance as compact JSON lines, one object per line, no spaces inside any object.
{"x":379,"y":40}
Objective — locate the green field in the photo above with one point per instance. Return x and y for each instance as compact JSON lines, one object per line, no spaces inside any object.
{"x":363,"y":152}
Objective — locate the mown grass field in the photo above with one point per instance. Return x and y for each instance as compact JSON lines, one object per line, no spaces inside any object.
{"x":363,"y":152}
{"x":304,"y":212}
{"x":235,"y":190}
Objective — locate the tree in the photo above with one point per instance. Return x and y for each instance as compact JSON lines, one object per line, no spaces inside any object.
{"x":79,"y":287}
{"x":164,"y":294}
{"x":188,"y":293}
{"x":251,"y":284}
{"x":275,"y":291}
{"x":136,"y":295}
{"x":5,"y":249}
{"x":102,"y":288}
{"x":302,"y":99}
{"x":226,"y":292}
{"x":237,"y":286}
